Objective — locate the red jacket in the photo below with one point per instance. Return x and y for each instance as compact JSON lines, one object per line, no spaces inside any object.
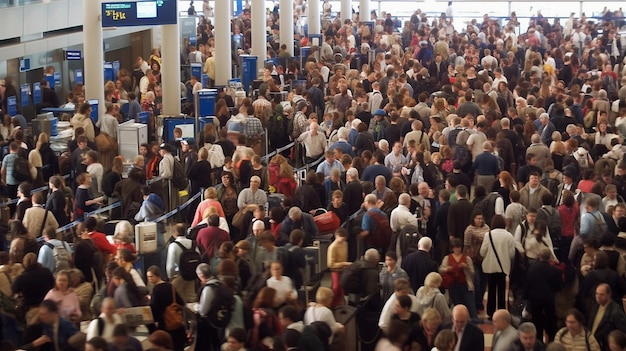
{"x":102,"y":244}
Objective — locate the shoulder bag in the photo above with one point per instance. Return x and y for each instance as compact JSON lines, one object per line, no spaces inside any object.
{"x":495,"y":252}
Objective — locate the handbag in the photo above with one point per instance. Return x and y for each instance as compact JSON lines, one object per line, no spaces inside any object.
{"x":9,"y":305}
{"x":327,"y":222}
{"x":495,"y":252}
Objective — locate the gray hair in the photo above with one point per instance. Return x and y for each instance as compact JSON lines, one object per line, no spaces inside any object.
{"x":527,"y":328}
{"x":404,"y":199}
{"x":343,"y":133}
{"x":372,"y":256}
{"x":425,"y":244}
{"x":295,"y":212}
{"x":353,"y":172}
{"x":203,"y":270}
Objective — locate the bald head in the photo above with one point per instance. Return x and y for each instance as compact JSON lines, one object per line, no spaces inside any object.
{"x":404,"y":199}
{"x":460,"y":317}
{"x":501,"y":319}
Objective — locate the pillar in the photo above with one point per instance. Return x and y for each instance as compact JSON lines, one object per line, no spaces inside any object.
{"x":259,"y":37}
{"x":286,"y":25}
{"x":364,"y":11}
{"x":170,"y":76}
{"x":93,"y":53}
{"x":314,"y":17}
{"x":223,"y":59}
{"x":346,"y":10}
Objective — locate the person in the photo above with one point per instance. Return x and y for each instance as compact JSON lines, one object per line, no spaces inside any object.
{"x":37,"y":218}
{"x":84,"y":200}
{"x":541,"y":285}
{"x":236,"y":340}
{"x":96,"y":344}
{"x":337,"y":261}
{"x":266,"y":324}
{"x":429,"y":326}
{"x":389,"y":273}
{"x":123,"y":341}
{"x":46,"y":253}
{"x":402,"y":287}
{"x":497,"y":250}
{"x":461,"y":269}
{"x":459,"y":213}
{"x":126,"y":292}
{"x":65,"y":297}
{"x":419,"y":263}
{"x":429,"y":296}
{"x":108,"y":124}
{"x":56,"y":203}
{"x":606,"y":315}
{"x":617,"y":340}
{"x":32,"y":284}
{"x":395,"y":339}
{"x":186,"y":288}
{"x":528,"y":340}
{"x":574,"y":335}
{"x":320,"y":311}
{"x":49,"y":328}
{"x":285,"y":290}
{"x":469,"y":336}
{"x":211,"y":237}
{"x":297,"y":219}
{"x":104,"y":325}
{"x":166,"y":172}
{"x":99,"y":239}
{"x":504,"y":333}
{"x":151,"y":207}
{"x":208,"y":339}
{"x":163,"y":295}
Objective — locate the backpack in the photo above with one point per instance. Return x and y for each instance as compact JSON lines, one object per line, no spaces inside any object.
{"x":463,"y":155}
{"x":408,"y":238}
{"x":488,"y":206}
{"x":277,"y":127}
{"x":179,"y":177}
{"x":553,"y":222}
{"x":551,"y":183}
{"x":189,"y":260}
{"x":322,"y":331}
{"x":173,"y":315}
{"x":582,"y":157}
{"x":222,"y":306}
{"x":350,"y":280}
{"x":600,"y":229}
{"x":192,"y":232}
{"x":589,"y":120}
{"x":216,"y":156}
{"x":62,"y":257}
{"x":382,"y":233}
{"x":21,"y":170}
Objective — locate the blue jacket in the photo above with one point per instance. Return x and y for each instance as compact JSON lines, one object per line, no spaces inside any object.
{"x":307,"y":224}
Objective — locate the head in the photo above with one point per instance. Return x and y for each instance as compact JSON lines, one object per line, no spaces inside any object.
{"x":425,"y":244}
{"x":501,"y":320}
{"x":574,"y":321}
{"x":603,"y":294}
{"x":460,"y":317}
{"x":527,"y":335}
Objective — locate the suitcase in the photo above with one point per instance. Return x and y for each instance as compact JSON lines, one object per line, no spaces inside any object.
{"x":327,"y":222}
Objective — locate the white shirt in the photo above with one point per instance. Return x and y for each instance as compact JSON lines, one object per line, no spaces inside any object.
{"x":283,"y":288}
{"x":173,"y":255}
{"x":107,"y":331}
{"x":400,"y":217}
{"x":108,"y":124}
{"x":387,"y":311}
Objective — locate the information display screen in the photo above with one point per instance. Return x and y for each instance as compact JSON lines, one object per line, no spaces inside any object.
{"x":138,"y":13}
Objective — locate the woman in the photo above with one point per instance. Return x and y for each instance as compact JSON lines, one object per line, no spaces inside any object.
{"x":123,"y":237}
{"x":427,"y":330}
{"x":569,"y":211}
{"x":82,"y":119}
{"x":199,"y":172}
{"x":126,"y":292}
{"x":222,"y":113}
{"x":460,"y":269}
{"x":65,"y":297}
{"x":112,"y":177}
{"x":266,"y":324}
{"x":389,"y":273}
{"x":320,"y":311}
{"x":557,"y":150}
{"x":95,"y":170}
{"x":33,"y":285}
{"x":604,"y":136}
{"x":163,"y":295}
{"x":227,"y":195}
{"x":446,"y":339}
{"x":472,"y":241}
{"x":84,"y":291}
{"x":507,"y":184}
{"x":44,"y":160}
{"x":261,"y":171}
{"x":242,"y":248}
{"x":126,"y":260}
{"x":497,"y":251}
{"x":286,"y":183}
{"x":574,"y":336}
{"x":285,"y":291}
{"x":429,"y":296}
{"x":152,"y":159}
{"x":539,"y":239}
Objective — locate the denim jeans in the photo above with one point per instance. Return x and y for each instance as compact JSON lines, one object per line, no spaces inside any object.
{"x":460,"y":295}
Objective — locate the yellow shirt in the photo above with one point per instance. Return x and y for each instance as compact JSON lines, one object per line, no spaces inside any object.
{"x":598,"y":318}
{"x":337,"y":254}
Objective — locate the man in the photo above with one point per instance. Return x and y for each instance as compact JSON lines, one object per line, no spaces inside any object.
{"x":542,"y":282}
{"x":258,"y":227}
{"x":459,"y":214}
{"x":531,"y":193}
{"x":211,"y":237}
{"x":486,"y":167}
{"x":528,"y":340}
{"x":296,"y":219}
{"x":186,"y":288}
{"x":418,"y":135}
{"x":7,"y":170}
{"x":104,"y":325}
{"x":469,"y":106}
{"x":342,"y":143}
{"x":314,"y":142}
{"x":37,"y":218}
{"x":122,"y":340}
{"x":504,"y":333}
{"x":591,"y":218}
{"x":134,"y":108}
{"x":24,"y":202}
{"x":606,"y":315}
{"x":396,"y":160}
{"x":291,"y":321}
{"x":152,"y":206}
{"x":46,"y":252}
{"x":440,"y":225}
{"x":372,"y":223}
{"x":539,"y":150}
{"x":545,"y":129}
{"x":369,"y":282}
{"x":476,"y":140}
{"x":401,"y":215}
{"x":330,"y":164}
{"x":316,"y":96}
{"x":48,"y":97}
{"x":375,"y":97}
{"x":378,"y":124}
{"x":252,"y":196}
{"x":378,"y":168}
{"x":108,"y":123}
{"x":50,"y":331}
{"x":380,"y":188}
{"x":523,"y":173}
{"x":166,"y":172}
{"x":401,"y":287}
{"x":469,"y":337}
{"x":353,"y":194}
{"x":419,"y":263}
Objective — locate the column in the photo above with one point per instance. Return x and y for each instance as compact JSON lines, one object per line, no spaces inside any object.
{"x":259,"y":37}
{"x":346,"y":10}
{"x":223,"y":59}
{"x":314,"y":16}
{"x":286,"y":25}
{"x":170,"y":76}
{"x":93,"y":53}
{"x":364,"y":10}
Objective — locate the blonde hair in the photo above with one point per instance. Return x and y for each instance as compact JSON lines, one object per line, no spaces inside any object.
{"x":444,"y":341}
{"x":431,"y":315}
{"x":432,"y":281}
{"x":210,"y":193}
{"x":324,"y":296}
{"x":211,"y":210}
{"x":203,"y":153}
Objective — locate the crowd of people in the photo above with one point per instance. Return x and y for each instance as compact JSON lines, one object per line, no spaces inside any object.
{"x":483,"y":161}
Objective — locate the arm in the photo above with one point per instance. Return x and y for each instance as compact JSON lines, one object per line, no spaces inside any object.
{"x":171,"y":261}
{"x":443,"y":268}
{"x":483,"y":246}
{"x":242,"y":199}
{"x":518,"y":239}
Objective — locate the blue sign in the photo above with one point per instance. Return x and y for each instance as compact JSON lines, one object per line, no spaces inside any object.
{"x":108,"y":71}
{"x":205,"y":80}
{"x":196,"y":70}
{"x":206,"y":102}
{"x":143,"y":117}
{"x":57,"y":78}
{"x":139,"y":13}
{"x":73,"y":55}
{"x":94,"y":110}
{"x":12,"y":105}
{"x":37,"y":93}
{"x":24,"y":65}
{"x":50,"y":80}
{"x":193,"y":40}
{"x":238,"y":7}
{"x":25,"y":94}
{"x":249,"y":71}
{"x":78,"y":77}
{"x":116,"y":69}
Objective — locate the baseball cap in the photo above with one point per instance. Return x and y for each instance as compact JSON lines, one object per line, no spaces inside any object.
{"x":380,"y":112}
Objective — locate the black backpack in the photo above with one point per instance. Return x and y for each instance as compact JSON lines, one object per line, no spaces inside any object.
{"x":189,"y":261}
{"x":222,"y":306}
{"x":179,"y":178}
{"x":464,"y":156}
{"x":488,"y":206}
{"x":551,"y":183}
{"x":192,"y":233}
{"x":350,"y":280}
{"x":21,"y":170}
{"x":408,"y":237}
{"x":553,"y":221}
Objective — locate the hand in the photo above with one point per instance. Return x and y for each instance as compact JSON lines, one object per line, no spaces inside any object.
{"x":463,"y":265}
{"x":341,"y":328}
{"x":362,"y":235}
{"x":44,"y":339}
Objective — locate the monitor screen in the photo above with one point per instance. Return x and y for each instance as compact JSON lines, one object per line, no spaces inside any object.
{"x":139,"y":13}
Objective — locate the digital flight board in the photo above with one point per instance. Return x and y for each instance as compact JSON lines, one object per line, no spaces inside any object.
{"x":138,"y":13}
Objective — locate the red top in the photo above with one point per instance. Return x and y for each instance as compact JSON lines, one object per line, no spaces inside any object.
{"x":568,"y":219}
{"x":102,"y":244}
{"x":210,"y":239}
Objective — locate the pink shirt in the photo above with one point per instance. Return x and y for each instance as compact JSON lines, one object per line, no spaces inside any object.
{"x":197,"y":218}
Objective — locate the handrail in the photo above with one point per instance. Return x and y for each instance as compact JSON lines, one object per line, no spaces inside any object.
{"x":279,"y":150}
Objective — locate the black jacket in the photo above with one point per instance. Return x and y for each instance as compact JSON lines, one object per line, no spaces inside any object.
{"x":472,"y":339}
{"x":56,"y":205}
{"x":417,"y":265}
{"x":33,"y":284}
{"x":613,"y":319}
{"x":542,"y":282}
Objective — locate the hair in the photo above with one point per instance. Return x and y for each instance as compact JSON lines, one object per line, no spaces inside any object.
{"x":155,"y":271}
{"x":240,"y":334}
{"x":265,"y":298}
{"x":444,"y":339}
{"x":578,"y":316}
{"x":49,"y":305}
{"x":619,"y":338}
{"x":162,"y":339}
{"x":431,"y":314}
{"x":30,"y":261}
{"x":120,"y":273}
{"x":203,"y":270}
{"x":126,"y":255}
{"x":290,"y":312}
{"x":498,"y":222}
{"x":432,"y":281}
{"x":98,"y":343}
{"x":324,"y":296}
{"x":404,"y":301}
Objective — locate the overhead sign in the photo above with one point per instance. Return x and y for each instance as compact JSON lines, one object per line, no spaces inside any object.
{"x":24,"y":65}
{"x":139,"y":13}
{"x":73,"y":55}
